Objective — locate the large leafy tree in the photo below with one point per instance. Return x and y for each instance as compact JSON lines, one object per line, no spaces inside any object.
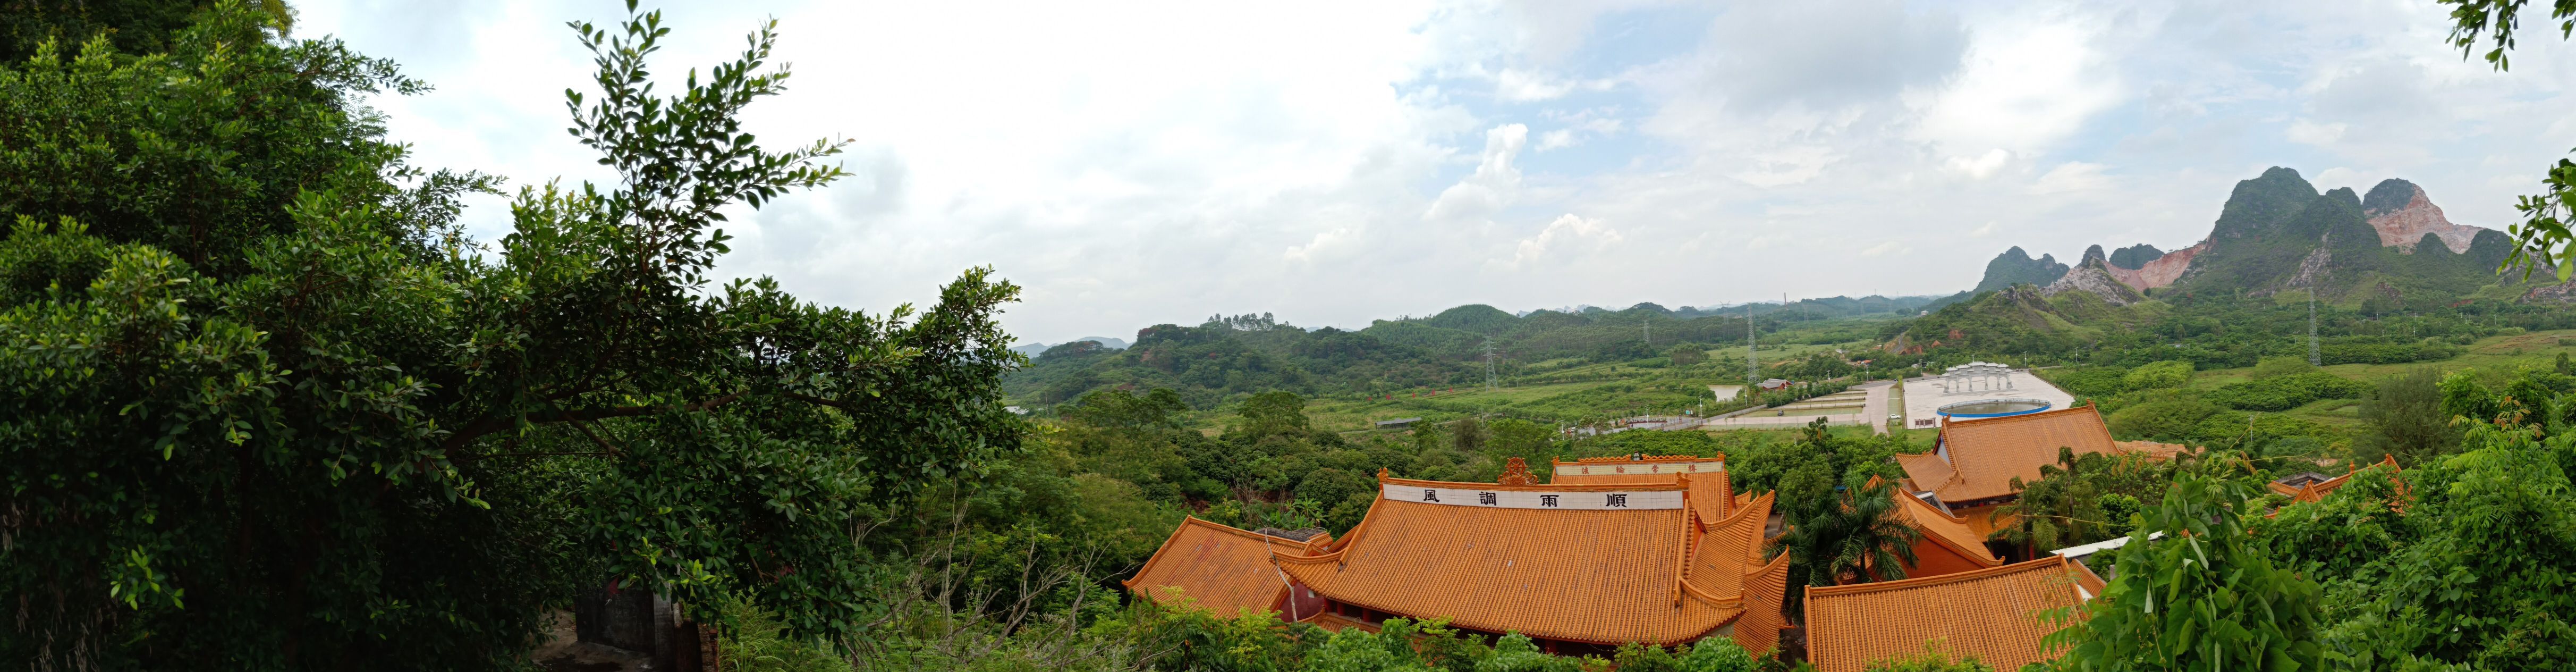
{"x":2193,"y":591}
{"x":262,"y":408}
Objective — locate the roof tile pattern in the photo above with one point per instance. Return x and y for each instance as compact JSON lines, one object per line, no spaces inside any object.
{"x":1985,"y":454}
{"x":1214,"y":567}
{"x":1952,"y":533}
{"x":1599,"y":576}
{"x":1760,"y":628}
{"x":1990,"y":614}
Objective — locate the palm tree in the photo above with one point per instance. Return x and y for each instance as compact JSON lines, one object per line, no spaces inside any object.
{"x":1857,"y":539}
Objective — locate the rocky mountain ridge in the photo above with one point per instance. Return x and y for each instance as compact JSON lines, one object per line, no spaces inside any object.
{"x":2277,"y":232}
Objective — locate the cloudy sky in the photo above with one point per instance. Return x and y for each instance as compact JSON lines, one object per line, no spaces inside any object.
{"x":1133,"y":164}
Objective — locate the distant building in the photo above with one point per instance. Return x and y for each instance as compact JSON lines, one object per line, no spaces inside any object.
{"x":1773,"y":384}
{"x":1972,"y":464}
{"x":1398,"y":423}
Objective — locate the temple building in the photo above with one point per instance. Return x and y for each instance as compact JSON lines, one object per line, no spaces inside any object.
{"x":1948,"y":545}
{"x":1972,"y":464}
{"x":1222,"y":569}
{"x":1618,"y":550}
{"x":1994,"y":615}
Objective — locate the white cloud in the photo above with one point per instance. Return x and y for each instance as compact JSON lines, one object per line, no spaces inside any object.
{"x":1132,"y":164}
{"x":1493,"y":184}
{"x":2308,"y":132}
{"x":1982,"y":165}
{"x":2025,"y":85}
{"x":1562,"y":237}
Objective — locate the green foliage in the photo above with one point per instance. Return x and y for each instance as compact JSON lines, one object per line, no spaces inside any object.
{"x":2080,"y":499}
{"x":2274,"y":367}
{"x":2157,"y":375}
{"x":1931,"y":660}
{"x":265,"y":410}
{"x":2332,"y":540}
{"x":2168,"y":419}
{"x":1273,"y":413}
{"x":1714,"y":654}
{"x":1855,"y":537}
{"x":2491,"y":577}
{"x":1127,"y":410}
{"x":2405,"y":418}
{"x":2089,"y":381}
{"x":753,"y":640}
{"x":2285,"y":392}
{"x":2203,"y":596}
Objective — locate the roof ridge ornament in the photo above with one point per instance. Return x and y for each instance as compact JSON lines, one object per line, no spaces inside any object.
{"x":1516,"y":472}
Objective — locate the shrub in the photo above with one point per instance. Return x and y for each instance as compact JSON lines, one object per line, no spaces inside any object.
{"x":2287,"y":392}
{"x":2159,"y":374}
{"x":2274,"y":367}
{"x":2168,"y":420}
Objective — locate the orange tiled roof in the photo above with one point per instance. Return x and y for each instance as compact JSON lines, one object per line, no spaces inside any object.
{"x":1215,"y":567}
{"x":1711,"y":496}
{"x":1336,"y":622}
{"x":1622,"y":469}
{"x":1660,"y":575}
{"x":1948,"y":531}
{"x":2153,"y":450}
{"x":2317,"y":491}
{"x":1984,"y":454}
{"x":1990,"y":614}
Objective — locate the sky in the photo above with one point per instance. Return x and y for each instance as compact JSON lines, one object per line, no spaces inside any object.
{"x":1132,"y":164}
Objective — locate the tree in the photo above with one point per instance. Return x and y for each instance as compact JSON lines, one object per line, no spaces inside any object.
{"x":1122,"y":409}
{"x":1856,"y":540}
{"x":2404,"y":418}
{"x":2193,"y":591}
{"x":2062,"y":508}
{"x":263,"y":410}
{"x":1688,"y":354}
{"x":2542,"y":239}
{"x":1273,"y":413}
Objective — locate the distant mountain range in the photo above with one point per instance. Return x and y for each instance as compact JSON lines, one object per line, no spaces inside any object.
{"x":2278,"y":233}
{"x":1032,"y":349}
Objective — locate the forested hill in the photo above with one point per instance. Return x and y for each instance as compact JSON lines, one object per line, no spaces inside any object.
{"x":1228,"y":356}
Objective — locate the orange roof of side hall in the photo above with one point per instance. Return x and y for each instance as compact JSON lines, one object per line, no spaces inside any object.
{"x":1991,"y":614}
{"x":1217,"y":568}
{"x":1977,"y":459}
{"x":1943,"y":531}
{"x":1604,"y":563}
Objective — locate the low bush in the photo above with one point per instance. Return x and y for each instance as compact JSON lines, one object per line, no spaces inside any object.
{"x":2281,"y":393}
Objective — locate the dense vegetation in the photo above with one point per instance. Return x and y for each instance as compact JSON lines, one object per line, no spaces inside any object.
{"x":267,"y":408}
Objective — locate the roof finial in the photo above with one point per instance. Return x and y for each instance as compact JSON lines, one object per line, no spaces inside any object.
{"x":1516,"y":472}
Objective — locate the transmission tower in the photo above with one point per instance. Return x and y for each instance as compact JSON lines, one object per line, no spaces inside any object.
{"x":1752,"y":363}
{"x":1489,"y":365}
{"x":2313,"y":358}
